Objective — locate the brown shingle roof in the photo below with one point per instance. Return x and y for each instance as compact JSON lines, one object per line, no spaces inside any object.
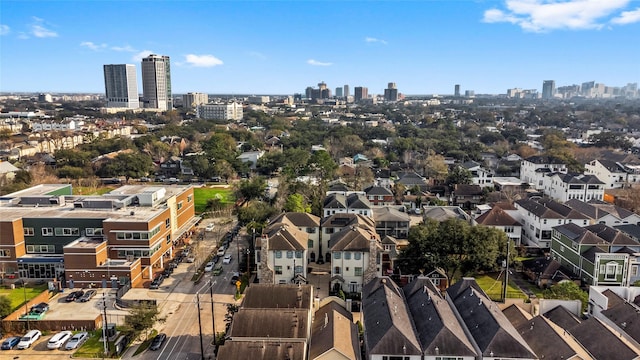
{"x":496,"y":217}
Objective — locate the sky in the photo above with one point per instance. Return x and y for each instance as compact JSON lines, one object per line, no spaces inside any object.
{"x":281,"y":47}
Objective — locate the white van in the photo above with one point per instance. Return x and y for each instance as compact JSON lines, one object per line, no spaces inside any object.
{"x":58,"y":339}
{"x":28,"y":339}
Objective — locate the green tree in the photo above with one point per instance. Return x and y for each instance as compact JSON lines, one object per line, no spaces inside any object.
{"x":296,"y":162}
{"x":297,"y":203}
{"x":257,"y":211}
{"x":5,"y":306}
{"x":611,"y":140}
{"x":567,"y":290}
{"x":129,"y":165}
{"x":142,"y":317}
{"x":71,"y":172}
{"x":253,"y":188}
{"x":459,"y":175}
{"x":323,"y":164}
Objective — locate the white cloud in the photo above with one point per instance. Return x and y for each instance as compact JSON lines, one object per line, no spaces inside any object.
{"x":93,"y":46}
{"x":142,"y":54}
{"x":627,"y":17}
{"x":318,"y":63}
{"x":375,"y":40}
{"x":4,"y":29}
{"x":126,"y":48}
{"x":39,"y":30}
{"x":547,"y":15}
{"x":202,"y":60}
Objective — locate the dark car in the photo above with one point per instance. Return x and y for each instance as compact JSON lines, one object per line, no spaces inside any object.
{"x":155,"y":284}
{"x":158,"y":341}
{"x":40,"y":308}
{"x":10,"y":343}
{"x":74,"y":295}
{"x":88,"y":295}
{"x":235,"y":278}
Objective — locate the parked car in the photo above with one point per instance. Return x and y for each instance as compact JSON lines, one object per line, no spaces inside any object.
{"x":191,"y":259}
{"x":88,"y":295}
{"x":28,"y":339}
{"x":59,"y":339}
{"x":10,"y":343}
{"x":77,"y":340}
{"x":215,"y":259}
{"x":40,"y":308}
{"x":74,"y":295}
{"x":210,"y":227}
{"x":158,"y":341}
{"x":221,"y":251}
{"x":227,"y":259}
{"x":155,"y":284}
{"x":209,"y":266}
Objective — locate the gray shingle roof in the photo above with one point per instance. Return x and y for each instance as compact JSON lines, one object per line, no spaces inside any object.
{"x":232,"y":350}
{"x":378,"y":190}
{"x":277,"y":296}
{"x":625,"y":315}
{"x":611,"y":235}
{"x":283,"y":236}
{"x":550,"y":209}
{"x":390,"y":214}
{"x":281,"y":323}
{"x":578,"y":234}
{"x":298,"y":219}
{"x":600,"y":342}
{"x":562,"y":317}
{"x":352,"y":238}
{"x":333,"y":329}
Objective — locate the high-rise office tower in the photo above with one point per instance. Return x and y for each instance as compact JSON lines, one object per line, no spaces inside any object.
{"x":339,"y":92}
{"x":456,"y":91}
{"x":548,"y":89}
{"x":346,"y":90}
{"x":121,"y":86}
{"x":391,"y":92}
{"x":193,"y":99}
{"x":360,"y":93}
{"x":156,"y":82}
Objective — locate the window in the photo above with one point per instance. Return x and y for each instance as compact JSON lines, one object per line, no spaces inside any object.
{"x":310,"y":244}
{"x":47,"y":231}
{"x":167,"y":223}
{"x":169,"y":239}
{"x":336,"y":270}
{"x":278,"y":254}
{"x":574,"y":246}
{"x":289,"y":254}
{"x":67,"y":231}
{"x":89,"y":231}
{"x":357,"y":271}
{"x":5,"y":253}
{"x":347,"y":255}
{"x":311,"y":230}
{"x":189,"y":198}
{"x":298,"y":254}
{"x":561,"y":248}
{"x":297,"y":269}
{"x":610,"y":271}
{"x":508,"y":229}
{"x":28,"y":232}
{"x":357,"y":256}
{"x":278,"y":270}
{"x":330,"y":230}
{"x":180,"y":205}
{"x":634,"y":270}
{"x":336,"y":255}
{"x":386,"y":247}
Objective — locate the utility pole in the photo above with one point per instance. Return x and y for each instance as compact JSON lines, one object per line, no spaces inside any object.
{"x":200,"y":326}
{"x":213,"y":314}
{"x":104,"y":324}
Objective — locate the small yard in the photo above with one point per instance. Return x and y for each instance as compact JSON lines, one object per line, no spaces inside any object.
{"x":18,"y":294}
{"x":203,"y":194}
{"x":492,"y":285}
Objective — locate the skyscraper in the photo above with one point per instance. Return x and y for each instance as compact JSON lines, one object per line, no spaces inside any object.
{"x":456,"y":91}
{"x":391,"y":92}
{"x":156,"y":82}
{"x":360,"y":93}
{"x":346,"y":90}
{"x":339,"y":92}
{"x":121,"y":86}
{"x":548,"y":89}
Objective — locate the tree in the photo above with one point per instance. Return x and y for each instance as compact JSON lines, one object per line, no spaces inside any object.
{"x":142,"y":317}
{"x":610,"y":140}
{"x":253,"y":188}
{"x":297,"y":203}
{"x":257,"y":211}
{"x":567,"y":290}
{"x":5,"y":306}
{"x":459,"y":175}
{"x":454,"y":246}
{"x":129,"y":165}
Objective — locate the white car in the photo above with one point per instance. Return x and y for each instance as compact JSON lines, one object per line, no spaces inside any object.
{"x":227,"y":259}
{"x":209,"y":227}
{"x":221,"y":251}
{"x":77,"y":340}
{"x":58,"y":339}
{"x":28,"y":339}
{"x":208,"y":267}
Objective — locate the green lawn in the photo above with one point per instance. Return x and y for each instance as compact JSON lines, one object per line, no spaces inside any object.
{"x":493,"y":287}
{"x":201,"y":195}
{"x":93,"y":347}
{"x":17,"y":295}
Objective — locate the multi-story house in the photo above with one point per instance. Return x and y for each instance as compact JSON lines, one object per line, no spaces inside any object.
{"x":282,"y":254}
{"x":533,"y":169}
{"x":379,"y":196}
{"x":354,"y":203}
{"x":392,"y":222}
{"x":479,"y":175}
{"x":334,"y":223}
{"x":229,"y":111}
{"x":501,"y":220}
{"x":601,"y":212}
{"x":128,"y":233}
{"x":598,"y":254}
{"x":563,"y":187}
{"x":538,"y":217}
{"x":467,"y":196}
{"x":355,"y":258}
{"x":307,"y":223}
{"x":613,"y":174}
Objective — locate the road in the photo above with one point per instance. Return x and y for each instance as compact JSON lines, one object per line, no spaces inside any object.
{"x":182,"y":325}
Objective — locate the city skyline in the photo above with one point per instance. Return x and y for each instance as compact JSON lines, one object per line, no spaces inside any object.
{"x":269,"y":48}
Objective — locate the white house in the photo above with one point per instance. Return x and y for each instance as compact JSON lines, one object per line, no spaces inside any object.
{"x":534,"y":168}
{"x":479,"y":175}
{"x":308,"y":224}
{"x":613,"y":174}
{"x":355,"y":251}
{"x":501,"y":220}
{"x":354,"y":203}
{"x":604,"y":213}
{"x":282,"y":255}
{"x":563,"y":187}
{"x":251,"y":157}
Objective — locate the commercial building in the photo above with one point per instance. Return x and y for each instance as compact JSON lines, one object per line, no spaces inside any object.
{"x":346,"y":90}
{"x":193,"y":99}
{"x":391,"y":92}
{"x":228,"y":111}
{"x":121,"y":86}
{"x":121,"y":237}
{"x":548,"y":89}
{"x":456,"y":90}
{"x":360,"y":93}
{"x":156,"y":82}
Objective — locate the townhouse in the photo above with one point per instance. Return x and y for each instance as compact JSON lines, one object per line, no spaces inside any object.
{"x":499,"y":219}
{"x":600,"y":212}
{"x":354,"y":203}
{"x":613,"y":174}
{"x":563,"y":187}
{"x":281,"y":254}
{"x":479,"y":175}
{"x":533,"y":169}
{"x":124,"y":236}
